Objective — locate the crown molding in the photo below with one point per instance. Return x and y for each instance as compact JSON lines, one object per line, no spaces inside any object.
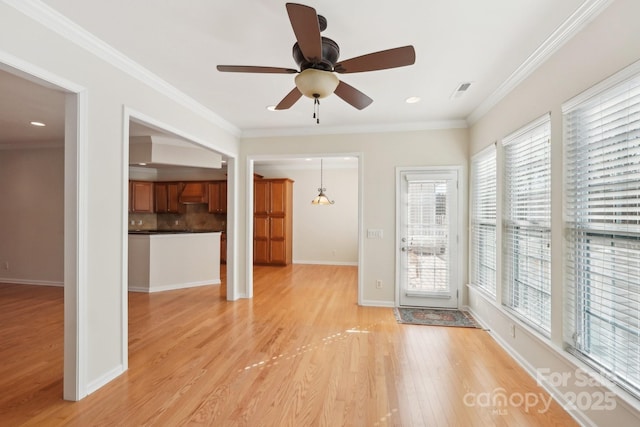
{"x":362,"y":129}
{"x":58,"y":23}
{"x":53,"y":20}
{"x":569,"y":28}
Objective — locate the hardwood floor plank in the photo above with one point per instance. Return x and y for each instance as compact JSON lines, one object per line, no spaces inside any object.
{"x":300,"y":353}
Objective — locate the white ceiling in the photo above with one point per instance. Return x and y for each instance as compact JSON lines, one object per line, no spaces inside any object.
{"x":483,"y":42}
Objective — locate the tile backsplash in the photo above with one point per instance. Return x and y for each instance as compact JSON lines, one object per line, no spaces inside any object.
{"x":194,"y":217}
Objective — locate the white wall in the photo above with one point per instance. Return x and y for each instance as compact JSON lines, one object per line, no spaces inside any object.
{"x":606,"y":45}
{"x":380,"y":154}
{"x":322,"y":234}
{"x":110,"y":93}
{"x":32,"y":215}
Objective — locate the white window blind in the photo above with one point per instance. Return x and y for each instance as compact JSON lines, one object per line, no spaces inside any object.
{"x":526,"y":224}
{"x":483,"y":220}
{"x":602,"y":213}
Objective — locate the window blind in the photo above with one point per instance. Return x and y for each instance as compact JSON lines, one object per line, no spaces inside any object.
{"x":428,"y":235}
{"x":602,"y":219}
{"x":483,"y":220}
{"x":526,"y":224}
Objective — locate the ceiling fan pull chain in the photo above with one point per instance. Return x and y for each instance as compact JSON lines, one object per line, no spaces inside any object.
{"x":316,"y":110}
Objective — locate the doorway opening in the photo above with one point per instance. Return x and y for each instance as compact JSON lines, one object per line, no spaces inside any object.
{"x":325,"y":234}
{"x":54,"y":234}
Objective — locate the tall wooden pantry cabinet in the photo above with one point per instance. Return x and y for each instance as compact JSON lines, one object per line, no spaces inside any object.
{"x":272,"y":221}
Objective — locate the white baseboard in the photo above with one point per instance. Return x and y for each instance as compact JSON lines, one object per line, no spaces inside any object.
{"x":327,"y":262}
{"x":377,"y":303}
{"x":104,"y":379}
{"x":172,"y":287}
{"x":11,"y":281}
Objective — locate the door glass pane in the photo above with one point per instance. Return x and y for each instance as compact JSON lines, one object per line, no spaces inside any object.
{"x":427,"y":234}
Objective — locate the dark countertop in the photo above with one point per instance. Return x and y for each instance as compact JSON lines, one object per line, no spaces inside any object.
{"x":173,"y":231}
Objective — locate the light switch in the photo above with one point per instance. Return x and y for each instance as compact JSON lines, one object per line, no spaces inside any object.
{"x":374,"y":233}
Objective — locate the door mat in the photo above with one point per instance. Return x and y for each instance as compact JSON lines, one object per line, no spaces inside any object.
{"x":434,"y":317}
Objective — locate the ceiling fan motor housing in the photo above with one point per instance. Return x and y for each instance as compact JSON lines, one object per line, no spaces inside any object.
{"x":330,"y":55}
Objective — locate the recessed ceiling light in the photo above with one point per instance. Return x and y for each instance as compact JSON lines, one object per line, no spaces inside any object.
{"x":271,"y":108}
{"x":142,"y":164}
{"x":412,"y":99}
{"x":308,"y":160}
{"x":37,"y":124}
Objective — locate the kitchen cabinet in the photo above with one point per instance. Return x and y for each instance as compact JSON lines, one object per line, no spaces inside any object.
{"x":273,"y":221}
{"x":166,"y":197}
{"x":218,"y":197}
{"x":141,"y":196}
{"x":194,"y":192}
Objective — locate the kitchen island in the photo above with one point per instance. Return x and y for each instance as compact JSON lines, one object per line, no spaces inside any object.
{"x":166,"y":260}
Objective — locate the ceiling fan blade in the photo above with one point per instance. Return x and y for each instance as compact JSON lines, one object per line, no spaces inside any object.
{"x":304,"y":21}
{"x":288,"y":101}
{"x":353,"y":96}
{"x":391,"y":58}
{"x":255,"y":69}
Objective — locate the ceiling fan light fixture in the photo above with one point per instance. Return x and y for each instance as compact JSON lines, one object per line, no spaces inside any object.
{"x":316,"y":84}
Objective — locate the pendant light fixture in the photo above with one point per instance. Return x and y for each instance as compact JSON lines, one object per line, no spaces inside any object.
{"x":321,"y":199}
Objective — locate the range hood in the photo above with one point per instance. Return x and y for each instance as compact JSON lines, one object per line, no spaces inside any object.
{"x":194,"y":193}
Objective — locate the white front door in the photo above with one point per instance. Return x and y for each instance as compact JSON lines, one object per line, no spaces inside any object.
{"x":428,"y":237}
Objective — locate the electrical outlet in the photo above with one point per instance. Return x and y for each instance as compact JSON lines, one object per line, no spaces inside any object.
{"x":6,"y":265}
{"x":378,"y":284}
{"x":513,"y":330}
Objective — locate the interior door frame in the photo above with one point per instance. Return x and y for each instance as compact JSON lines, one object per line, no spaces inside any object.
{"x":458,"y":265}
{"x":75,"y":282}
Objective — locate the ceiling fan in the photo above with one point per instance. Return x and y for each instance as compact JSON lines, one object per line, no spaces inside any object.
{"x":317,"y":58}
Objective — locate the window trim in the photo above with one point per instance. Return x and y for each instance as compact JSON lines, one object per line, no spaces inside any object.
{"x":545,"y":229}
{"x":570,"y":314}
{"x":489,"y":151}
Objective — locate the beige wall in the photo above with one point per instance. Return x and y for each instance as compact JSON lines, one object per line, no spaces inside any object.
{"x":380,"y":154}
{"x":605,"y":46}
{"x":32,"y":215}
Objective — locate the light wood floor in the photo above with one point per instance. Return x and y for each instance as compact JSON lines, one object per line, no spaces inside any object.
{"x":300,"y":353}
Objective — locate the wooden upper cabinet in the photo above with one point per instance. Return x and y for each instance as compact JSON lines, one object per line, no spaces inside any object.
{"x":218,"y":197}
{"x":279,"y":197}
{"x":271,"y":196}
{"x":166,"y":195}
{"x":261,"y":196}
{"x":141,"y":196}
